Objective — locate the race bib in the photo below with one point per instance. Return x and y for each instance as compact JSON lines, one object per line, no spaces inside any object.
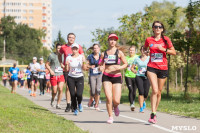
{"x":58,"y":70}
{"x":41,"y":76}
{"x":142,"y":70}
{"x":29,"y":76}
{"x":76,"y":71}
{"x":110,"y":59}
{"x":157,"y":57}
{"x":96,"y":70}
{"x":14,"y":71}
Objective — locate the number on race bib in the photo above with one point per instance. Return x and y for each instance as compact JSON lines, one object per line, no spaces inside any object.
{"x":96,"y":70}
{"x":157,"y":57}
{"x":58,"y":70}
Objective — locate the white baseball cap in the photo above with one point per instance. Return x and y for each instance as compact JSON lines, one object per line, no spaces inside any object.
{"x":41,"y":58}
{"x":75,"y":45}
{"x":34,"y":58}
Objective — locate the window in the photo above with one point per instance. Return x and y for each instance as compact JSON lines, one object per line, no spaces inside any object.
{"x":44,"y":17}
{"x":31,"y":25}
{"x":25,"y":11}
{"x":44,"y":24}
{"x":43,"y":4}
{"x":31,"y":4}
{"x":30,"y":18}
{"x":43,"y":10}
{"x":30,"y":11}
{"x":24,"y":4}
{"x":25,"y":18}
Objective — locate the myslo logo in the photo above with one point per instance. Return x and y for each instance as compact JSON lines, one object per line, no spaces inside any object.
{"x":184,"y":128}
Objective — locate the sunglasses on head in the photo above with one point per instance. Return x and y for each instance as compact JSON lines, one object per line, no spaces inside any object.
{"x":156,"y":27}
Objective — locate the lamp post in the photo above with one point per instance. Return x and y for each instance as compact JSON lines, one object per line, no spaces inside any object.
{"x":4,"y":41}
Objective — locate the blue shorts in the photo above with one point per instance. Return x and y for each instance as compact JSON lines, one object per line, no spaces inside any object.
{"x":14,"y":78}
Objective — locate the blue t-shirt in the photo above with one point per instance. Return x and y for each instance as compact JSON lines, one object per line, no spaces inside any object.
{"x":93,"y":61}
{"x":142,"y":66}
{"x":14,"y":71}
{"x":42,"y":67}
{"x":28,"y":72}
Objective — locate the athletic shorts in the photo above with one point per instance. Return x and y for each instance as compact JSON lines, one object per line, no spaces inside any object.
{"x":65,"y":75}
{"x":56,"y":79}
{"x":14,"y":78}
{"x":161,"y":74}
{"x":113,"y":80}
{"x":47,"y":80}
{"x":34,"y":78}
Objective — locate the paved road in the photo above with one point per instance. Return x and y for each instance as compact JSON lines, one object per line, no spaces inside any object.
{"x":128,"y":122}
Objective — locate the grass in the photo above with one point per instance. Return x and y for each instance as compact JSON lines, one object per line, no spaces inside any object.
{"x":17,"y":114}
{"x":174,"y":104}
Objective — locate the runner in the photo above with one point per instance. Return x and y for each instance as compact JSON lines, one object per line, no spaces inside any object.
{"x":95,"y":75}
{"x":66,"y":50}
{"x":57,"y":79}
{"x":13,"y":72}
{"x":28,"y":74}
{"x":112,"y":78}
{"x":157,"y":70}
{"x":42,"y":79}
{"x":4,"y":77}
{"x":75,"y":64}
{"x":130,"y":77}
{"x":25,"y":79}
{"x":19,"y":79}
{"x":141,"y":79}
{"x":35,"y":68}
{"x":48,"y":83}
{"x":22,"y":76}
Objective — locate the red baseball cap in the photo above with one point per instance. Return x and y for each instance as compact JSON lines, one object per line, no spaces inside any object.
{"x":113,"y":35}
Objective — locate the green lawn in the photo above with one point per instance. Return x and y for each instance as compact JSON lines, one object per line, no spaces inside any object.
{"x":17,"y":114}
{"x":174,"y":104}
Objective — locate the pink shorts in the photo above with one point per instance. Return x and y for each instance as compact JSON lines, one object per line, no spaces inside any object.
{"x":56,"y":79}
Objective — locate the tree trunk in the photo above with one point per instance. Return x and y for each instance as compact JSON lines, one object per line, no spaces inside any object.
{"x":186,"y":77}
{"x":176,"y":79}
{"x":198,"y":72}
{"x":181,"y":71}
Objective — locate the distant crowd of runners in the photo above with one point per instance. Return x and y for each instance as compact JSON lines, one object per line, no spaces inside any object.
{"x":66,"y":66}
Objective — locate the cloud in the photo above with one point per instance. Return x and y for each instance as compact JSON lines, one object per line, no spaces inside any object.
{"x":79,"y":27}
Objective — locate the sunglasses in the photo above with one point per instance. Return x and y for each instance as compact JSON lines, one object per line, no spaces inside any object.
{"x":156,"y":27}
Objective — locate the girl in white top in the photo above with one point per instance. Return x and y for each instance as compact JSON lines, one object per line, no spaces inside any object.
{"x":75,"y":64}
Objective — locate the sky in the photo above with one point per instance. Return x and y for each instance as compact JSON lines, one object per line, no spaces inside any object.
{"x":84,"y":16}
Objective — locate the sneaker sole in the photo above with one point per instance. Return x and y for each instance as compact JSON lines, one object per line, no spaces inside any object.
{"x":133,"y":109}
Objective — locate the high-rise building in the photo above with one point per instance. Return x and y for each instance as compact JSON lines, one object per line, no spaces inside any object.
{"x":35,"y":13}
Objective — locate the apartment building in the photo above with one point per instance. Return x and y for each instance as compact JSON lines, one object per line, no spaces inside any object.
{"x":35,"y":13}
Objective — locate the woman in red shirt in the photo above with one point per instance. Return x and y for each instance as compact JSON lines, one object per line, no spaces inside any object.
{"x":157,"y":69}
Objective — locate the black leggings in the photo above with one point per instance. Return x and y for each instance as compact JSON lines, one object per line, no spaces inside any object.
{"x":76,"y":86}
{"x":42,"y":85}
{"x":143,"y":85}
{"x":4,"y":82}
{"x":29,"y":83}
{"x":130,"y":82}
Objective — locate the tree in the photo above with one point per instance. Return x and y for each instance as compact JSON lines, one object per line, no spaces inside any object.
{"x":59,"y":39}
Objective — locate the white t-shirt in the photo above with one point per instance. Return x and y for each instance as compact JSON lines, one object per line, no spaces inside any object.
{"x":75,"y":66}
{"x":34,"y":68}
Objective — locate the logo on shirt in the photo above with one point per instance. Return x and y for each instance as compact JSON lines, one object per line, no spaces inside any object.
{"x":151,"y":45}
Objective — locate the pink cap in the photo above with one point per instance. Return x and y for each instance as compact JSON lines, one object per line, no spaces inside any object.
{"x":113,"y":35}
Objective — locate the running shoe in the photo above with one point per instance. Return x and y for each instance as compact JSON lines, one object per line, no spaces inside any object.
{"x":34,"y":94}
{"x":68,"y":108}
{"x":58,"y":106}
{"x":152,"y":118}
{"x":110,"y":120}
{"x":96,"y":107}
{"x":52,"y":105}
{"x":141,"y":110}
{"x":75,"y":112}
{"x":90,"y":103}
{"x":29,"y":91}
{"x":132,"y":107}
{"x":12,"y":91}
{"x":116,"y":110}
{"x":80,"y":107}
{"x":31,"y":94}
{"x":144,"y":105}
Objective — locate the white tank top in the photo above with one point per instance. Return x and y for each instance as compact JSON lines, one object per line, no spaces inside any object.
{"x":75,"y":66}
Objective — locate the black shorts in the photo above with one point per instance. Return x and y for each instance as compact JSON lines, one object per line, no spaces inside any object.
{"x":34,"y":78}
{"x":161,"y":74}
{"x":113,"y":80}
{"x":66,"y":76}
